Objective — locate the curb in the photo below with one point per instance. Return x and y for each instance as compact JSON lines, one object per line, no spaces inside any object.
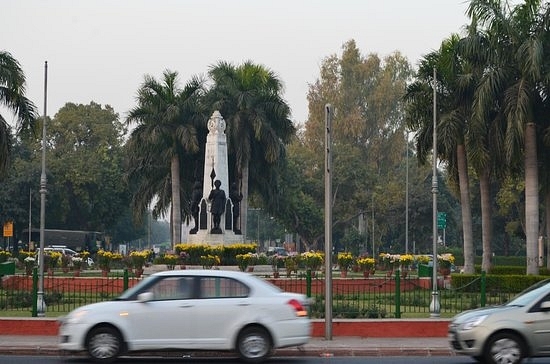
{"x":287,"y":352}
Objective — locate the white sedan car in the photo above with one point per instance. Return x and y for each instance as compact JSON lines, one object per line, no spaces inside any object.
{"x":192,"y":310}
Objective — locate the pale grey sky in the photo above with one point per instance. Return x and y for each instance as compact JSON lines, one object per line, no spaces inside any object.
{"x":99,"y":50}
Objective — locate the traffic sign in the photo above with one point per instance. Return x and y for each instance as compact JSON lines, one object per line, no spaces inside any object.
{"x":8,"y":229}
{"x":441,"y":220}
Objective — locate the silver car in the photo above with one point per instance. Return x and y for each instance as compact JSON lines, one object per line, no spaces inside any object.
{"x":191,"y":310}
{"x":507,"y":333}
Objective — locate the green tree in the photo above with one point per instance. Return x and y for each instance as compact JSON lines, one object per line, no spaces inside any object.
{"x":166,"y":119}
{"x":86,"y":189}
{"x":258,"y":126}
{"x":369,"y":144}
{"x":12,"y":96}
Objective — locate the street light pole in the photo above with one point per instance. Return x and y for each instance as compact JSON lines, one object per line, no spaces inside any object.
{"x":434,"y":305}
{"x":329,"y":111}
{"x":40,"y":303}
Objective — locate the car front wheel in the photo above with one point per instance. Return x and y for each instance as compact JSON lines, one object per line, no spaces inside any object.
{"x":104,"y":344}
{"x":504,"y":348}
{"x":254,"y":345}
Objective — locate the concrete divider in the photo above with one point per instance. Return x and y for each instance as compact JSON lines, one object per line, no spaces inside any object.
{"x":342,"y":327}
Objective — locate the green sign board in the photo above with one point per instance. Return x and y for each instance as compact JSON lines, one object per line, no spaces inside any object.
{"x":441,"y":220}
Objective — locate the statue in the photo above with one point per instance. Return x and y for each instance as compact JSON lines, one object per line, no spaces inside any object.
{"x":217,"y":199}
{"x":196,"y":197}
{"x":236,"y":198}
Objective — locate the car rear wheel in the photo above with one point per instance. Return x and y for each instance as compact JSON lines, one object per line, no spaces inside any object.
{"x":104,"y":344}
{"x":504,"y":348}
{"x":254,"y":345}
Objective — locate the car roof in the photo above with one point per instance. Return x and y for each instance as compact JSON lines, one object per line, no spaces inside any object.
{"x":203,"y":272}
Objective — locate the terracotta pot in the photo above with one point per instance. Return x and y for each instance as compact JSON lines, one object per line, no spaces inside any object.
{"x":250,"y":269}
{"x":276,"y":274}
{"x":366,"y":273}
{"x":104,"y":273}
{"x":76,"y":273}
{"x":138,"y":273}
{"x":344,"y":274}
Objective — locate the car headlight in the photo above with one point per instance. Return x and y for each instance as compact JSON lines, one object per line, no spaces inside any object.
{"x":473,"y":322}
{"x":75,"y":317}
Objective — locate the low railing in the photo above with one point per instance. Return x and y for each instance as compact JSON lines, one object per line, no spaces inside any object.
{"x":381,"y":296}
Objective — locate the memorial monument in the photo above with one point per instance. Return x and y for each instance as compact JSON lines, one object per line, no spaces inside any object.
{"x":215,"y":212}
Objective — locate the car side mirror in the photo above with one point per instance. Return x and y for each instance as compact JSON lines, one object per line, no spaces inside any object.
{"x":145,"y":297}
{"x":545,"y":306}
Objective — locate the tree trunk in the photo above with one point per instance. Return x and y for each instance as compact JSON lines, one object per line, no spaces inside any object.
{"x":547,"y":209}
{"x":486,"y":215}
{"x":531,"y":198}
{"x":244,"y":202}
{"x":176,"y":201}
{"x":466,"y":210}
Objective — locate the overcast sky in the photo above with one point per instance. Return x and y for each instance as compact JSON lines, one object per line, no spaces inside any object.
{"x":99,"y":50}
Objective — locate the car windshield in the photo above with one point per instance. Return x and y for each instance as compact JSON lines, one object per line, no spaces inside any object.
{"x":530,"y":294}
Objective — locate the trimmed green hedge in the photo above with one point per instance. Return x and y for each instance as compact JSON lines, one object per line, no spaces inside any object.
{"x":227,"y":253}
{"x":513,"y":283}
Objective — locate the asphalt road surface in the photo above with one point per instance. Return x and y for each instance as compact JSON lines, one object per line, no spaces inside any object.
{"x":7,"y":359}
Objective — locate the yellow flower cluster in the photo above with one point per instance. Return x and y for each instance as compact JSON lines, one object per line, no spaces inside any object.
{"x":312,"y":260}
{"x":106,"y":258}
{"x":445,"y":260}
{"x":4,"y":255}
{"x":366,"y":263}
{"x":345,"y":259}
{"x":209,"y":261}
{"x":406,"y":259}
{"x":139,"y":258}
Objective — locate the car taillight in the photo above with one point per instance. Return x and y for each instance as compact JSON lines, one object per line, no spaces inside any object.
{"x":297,"y":306}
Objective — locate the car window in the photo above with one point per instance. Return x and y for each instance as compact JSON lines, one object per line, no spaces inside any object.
{"x":173,"y":288}
{"x":222,"y":287}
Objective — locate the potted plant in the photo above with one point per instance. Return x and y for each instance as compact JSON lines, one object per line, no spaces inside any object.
{"x":4,"y":255}
{"x":390,"y":261}
{"x":312,"y":260}
{"x":291,"y":265}
{"x":139,"y":258}
{"x":170,"y":260}
{"x":245,"y":261}
{"x":77,"y":262}
{"x":366,"y":264}
{"x":29,"y":263}
{"x":445,"y":261}
{"x":276,"y":261}
{"x":51,"y":260}
{"x":345,"y":260}
{"x":405,"y":260}
{"x":105,"y":260}
{"x":209,"y":261}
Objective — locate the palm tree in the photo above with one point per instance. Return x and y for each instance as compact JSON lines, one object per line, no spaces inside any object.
{"x":12,"y":96}
{"x":166,"y":118}
{"x":258,"y":125}
{"x":512,"y":80}
{"x":454,"y":103}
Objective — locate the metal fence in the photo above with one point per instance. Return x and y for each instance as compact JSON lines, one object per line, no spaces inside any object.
{"x":394,"y":296}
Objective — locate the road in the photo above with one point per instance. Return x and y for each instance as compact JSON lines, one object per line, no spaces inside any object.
{"x":7,"y":359}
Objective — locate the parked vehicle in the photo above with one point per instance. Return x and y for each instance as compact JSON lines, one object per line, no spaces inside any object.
{"x":507,"y":333}
{"x":69,"y":252}
{"x":191,"y":310}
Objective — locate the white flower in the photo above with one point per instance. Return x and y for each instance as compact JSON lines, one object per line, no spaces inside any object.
{"x":29,"y":259}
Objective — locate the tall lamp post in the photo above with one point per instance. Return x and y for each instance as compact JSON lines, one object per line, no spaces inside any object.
{"x":40,"y":303}
{"x":434,"y":305}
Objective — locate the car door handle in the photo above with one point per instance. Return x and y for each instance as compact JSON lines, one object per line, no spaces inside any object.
{"x":186,"y":306}
{"x":243,"y":304}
